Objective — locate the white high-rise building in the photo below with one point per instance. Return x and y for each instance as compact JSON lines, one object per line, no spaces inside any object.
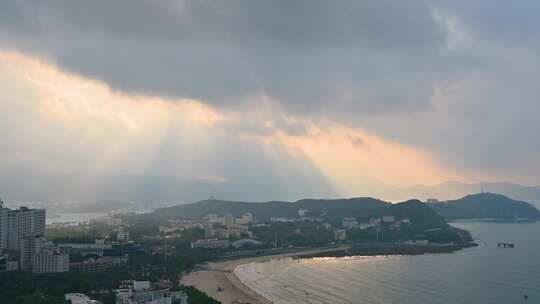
{"x":22,"y":230}
{"x":24,"y":222}
{"x":3,"y":227}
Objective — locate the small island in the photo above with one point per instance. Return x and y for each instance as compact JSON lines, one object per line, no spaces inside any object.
{"x":486,"y":207}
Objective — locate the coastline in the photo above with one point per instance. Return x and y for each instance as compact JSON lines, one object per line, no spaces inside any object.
{"x":220,"y":274}
{"x":390,"y":249}
{"x":492,"y":220}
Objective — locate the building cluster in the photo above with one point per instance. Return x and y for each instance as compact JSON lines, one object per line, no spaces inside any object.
{"x":231,"y":231}
{"x":210,"y":243}
{"x":97,"y":264}
{"x":101,"y":255}
{"x":229,"y":219}
{"x":231,"y":226}
{"x":228,"y":226}
{"x":23,"y":245}
{"x":107,"y":220}
{"x":145,"y":292}
{"x":385,"y":222}
{"x":388,"y":221}
{"x":136,"y":292}
{"x":303,"y":216}
{"x":218,"y":230}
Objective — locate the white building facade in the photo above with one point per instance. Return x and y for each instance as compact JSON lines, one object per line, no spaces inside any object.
{"x":50,"y":260}
{"x":78,"y":298}
{"x":24,"y":222}
{"x":144,"y":292}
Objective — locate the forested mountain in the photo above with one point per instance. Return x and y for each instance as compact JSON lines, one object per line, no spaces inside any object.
{"x":487,"y":206}
{"x":361,"y":208}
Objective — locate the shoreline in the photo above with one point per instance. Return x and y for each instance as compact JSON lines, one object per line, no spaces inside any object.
{"x":493,"y":220}
{"x":213,"y":275}
{"x":220,"y":274}
{"x":391,"y":249}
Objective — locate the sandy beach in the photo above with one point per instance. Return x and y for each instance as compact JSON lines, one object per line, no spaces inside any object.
{"x":221,"y":274}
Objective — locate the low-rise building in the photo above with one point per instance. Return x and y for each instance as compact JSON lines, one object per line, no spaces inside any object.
{"x":209,"y":232}
{"x":349,"y":222}
{"x":405,"y":221}
{"x":119,"y":260}
{"x":122,"y":236}
{"x":78,"y":298}
{"x":100,"y":248}
{"x":95,"y":248}
{"x":144,"y":292}
{"x":246,"y":219}
{"x":238,"y":231}
{"x":93,"y":265}
{"x":50,"y":259}
{"x":222,"y":233}
{"x":213,"y":218}
{"x":340,"y":235}
{"x":281,"y":220}
{"x":233,"y":231}
{"x":364,"y":226}
{"x":388,"y":219}
{"x":210,"y":243}
{"x":375,"y":221}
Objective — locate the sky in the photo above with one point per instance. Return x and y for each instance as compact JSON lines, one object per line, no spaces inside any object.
{"x":271,"y":99}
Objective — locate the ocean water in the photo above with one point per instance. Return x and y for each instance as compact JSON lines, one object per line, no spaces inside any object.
{"x":481,"y":275}
{"x":74,"y":217}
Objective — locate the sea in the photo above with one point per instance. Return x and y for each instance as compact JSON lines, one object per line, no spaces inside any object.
{"x":73,"y":217}
{"x":482,"y":275}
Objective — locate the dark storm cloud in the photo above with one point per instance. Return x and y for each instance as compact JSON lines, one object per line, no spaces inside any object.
{"x":304,"y":54}
{"x":457,"y":78}
{"x":502,"y":20}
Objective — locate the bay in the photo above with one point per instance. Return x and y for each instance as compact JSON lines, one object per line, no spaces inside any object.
{"x":485,"y":274}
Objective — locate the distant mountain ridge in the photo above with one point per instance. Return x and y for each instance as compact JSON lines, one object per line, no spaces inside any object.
{"x":82,"y":192}
{"x":486,"y":206}
{"x":454,"y":189}
{"x":126,"y":188}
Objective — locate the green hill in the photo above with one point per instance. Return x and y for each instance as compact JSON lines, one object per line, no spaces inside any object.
{"x":361,"y":208}
{"x":486,"y":206}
